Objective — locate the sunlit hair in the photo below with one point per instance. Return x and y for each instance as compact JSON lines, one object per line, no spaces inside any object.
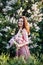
{"x":25,"y":24}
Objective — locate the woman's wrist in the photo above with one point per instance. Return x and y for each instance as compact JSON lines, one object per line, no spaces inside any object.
{"x":21,"y":45}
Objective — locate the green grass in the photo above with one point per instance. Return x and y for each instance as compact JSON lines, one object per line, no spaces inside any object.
{"x":6,"y":60}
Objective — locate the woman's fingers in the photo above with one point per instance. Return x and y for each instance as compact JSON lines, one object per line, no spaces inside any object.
{"x":18,"y":46}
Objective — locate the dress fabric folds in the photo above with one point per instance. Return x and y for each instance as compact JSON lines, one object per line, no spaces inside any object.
{"x":22,"y":38}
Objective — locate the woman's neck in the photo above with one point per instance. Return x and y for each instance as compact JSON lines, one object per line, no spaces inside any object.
{"x":20,"y":28}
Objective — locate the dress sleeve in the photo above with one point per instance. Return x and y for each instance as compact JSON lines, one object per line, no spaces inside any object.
{"x":25,"y":35}
{"x":11,"y":41}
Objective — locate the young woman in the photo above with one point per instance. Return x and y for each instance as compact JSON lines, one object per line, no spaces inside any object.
{"x":22,"y":38}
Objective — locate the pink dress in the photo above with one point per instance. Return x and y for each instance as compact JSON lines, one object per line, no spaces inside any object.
{"x":22,"y":38}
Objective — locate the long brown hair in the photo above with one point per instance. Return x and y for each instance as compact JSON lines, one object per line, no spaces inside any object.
{"x":25,"y":24}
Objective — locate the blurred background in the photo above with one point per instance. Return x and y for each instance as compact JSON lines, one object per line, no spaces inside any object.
{"x":10,"y":11}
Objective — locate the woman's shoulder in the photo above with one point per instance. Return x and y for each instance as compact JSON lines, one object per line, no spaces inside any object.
{"x":24,"y":30}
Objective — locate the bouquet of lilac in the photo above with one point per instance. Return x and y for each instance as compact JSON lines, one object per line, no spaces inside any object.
{"x":12,"y":41}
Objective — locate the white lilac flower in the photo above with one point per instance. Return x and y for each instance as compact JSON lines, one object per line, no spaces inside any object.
{"x":4,"y":10}
{"x":32,"y":1}
{"x":0,"y":21}
{"x":14,"y":20}
{"x":36,"y":18}
{"x":35,"y":24}
{"x":39,"y":39}
{"x":35,"y":15}
{"x":35,"y":45}
{"x":1,"y":34}
{"x":11,"y":2}
{"x":5,"y":29}
{"x":5,"y":35}
{"x":13,"y":14}
{"x":7,"y":46}
{"x":30,"y":41}
{"x":1,"y":4}
{"x":8,"y":3}
{"x":29,"y":11}
{"x":11,"y":20}
{"x":8,"y":27}
{"x":37,"y":11}
{"x":31,"y":46}
{"x":5,"y":13}
{"x":32,"y":16}
{"x":31,"y":25}
{"x":19,"y":11}
{"x":40,"y":14}
{"x":26,"y":0}
{"x":12,"y":33}
{"x":8,"y":7}
{"x":7,"y":17}
{"x":40,"y":19}
{"x":37,"y":28}
{"x":33,"y":35}
{"x":34,"y":7}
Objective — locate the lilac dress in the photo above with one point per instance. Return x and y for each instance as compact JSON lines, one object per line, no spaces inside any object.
{"x":22,"y":38}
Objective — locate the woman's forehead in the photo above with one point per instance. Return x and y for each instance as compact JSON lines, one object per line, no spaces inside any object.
{"x":20,"y":19}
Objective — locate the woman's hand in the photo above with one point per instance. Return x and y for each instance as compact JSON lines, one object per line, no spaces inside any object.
{"x":18,"y":46}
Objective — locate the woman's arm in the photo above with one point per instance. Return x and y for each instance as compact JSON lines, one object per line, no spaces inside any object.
{"x":25,"y":37}
{"x":21,"y":45}
{"x":12,"y":41}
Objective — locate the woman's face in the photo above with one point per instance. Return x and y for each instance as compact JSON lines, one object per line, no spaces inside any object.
{"x":20,"y":22}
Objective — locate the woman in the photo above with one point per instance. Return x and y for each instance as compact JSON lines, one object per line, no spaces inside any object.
{"x":22,"y":38}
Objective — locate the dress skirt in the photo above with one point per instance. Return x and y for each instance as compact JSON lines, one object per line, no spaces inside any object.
{"x":23,"y":51}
